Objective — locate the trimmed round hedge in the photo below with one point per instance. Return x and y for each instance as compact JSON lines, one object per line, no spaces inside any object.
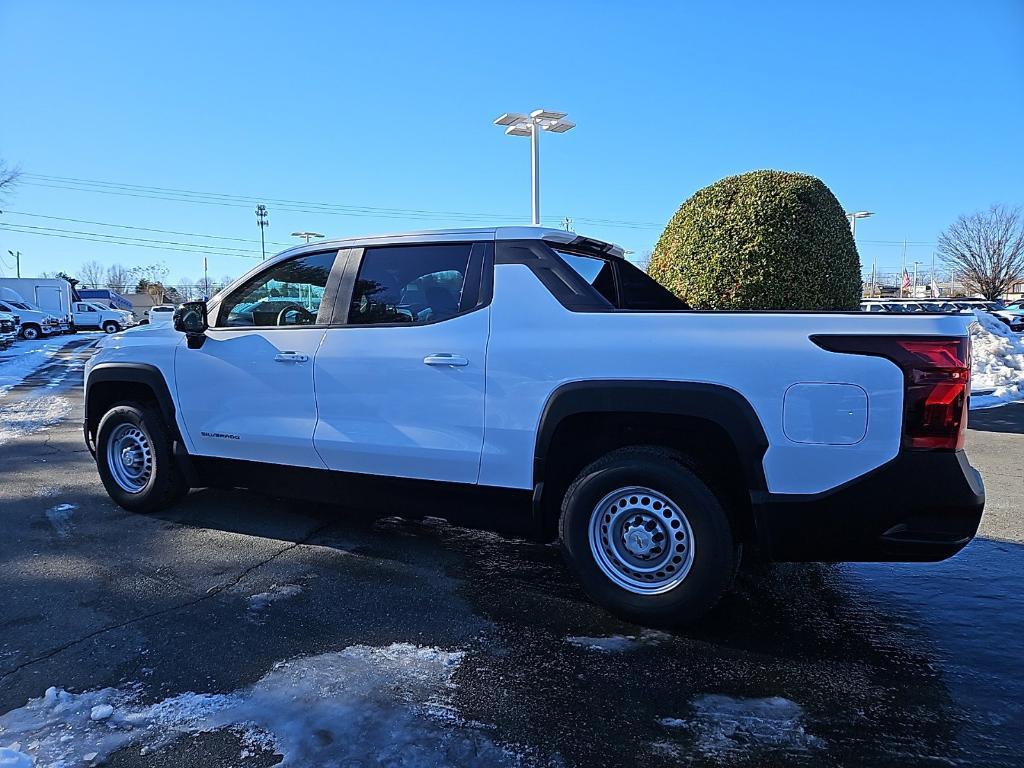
{"x":760,"y":240}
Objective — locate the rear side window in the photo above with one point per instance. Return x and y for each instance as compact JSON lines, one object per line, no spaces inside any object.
{"x":622,"y":284}
{"x":416,"y":284}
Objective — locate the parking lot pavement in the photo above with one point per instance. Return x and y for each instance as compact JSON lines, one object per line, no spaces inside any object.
{"x":237,"y":628}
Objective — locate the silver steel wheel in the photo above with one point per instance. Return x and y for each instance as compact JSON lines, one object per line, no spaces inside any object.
{"x":110,"y":328}
{"x":641,"y":540}
{"x":130,"y":457}
{"x":30,"y":333}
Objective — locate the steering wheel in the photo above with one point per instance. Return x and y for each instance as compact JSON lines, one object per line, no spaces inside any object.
{"x":304,"y":314}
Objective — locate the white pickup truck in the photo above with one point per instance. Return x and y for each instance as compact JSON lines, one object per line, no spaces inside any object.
{"x":90,"y":314}
{"x":531,"y":372}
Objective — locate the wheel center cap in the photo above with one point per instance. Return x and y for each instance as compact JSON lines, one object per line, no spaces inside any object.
{"x":638,"y":541}
{"x":128,"y":457}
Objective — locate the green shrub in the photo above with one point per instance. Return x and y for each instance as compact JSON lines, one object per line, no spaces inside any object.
{"x":761,"y":240}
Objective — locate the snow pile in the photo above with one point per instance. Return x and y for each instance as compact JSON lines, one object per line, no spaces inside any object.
{"x":997,"y":362}
{"x":360,"y":706}
{"x":725,"y":728}
{"x":619,"y":643}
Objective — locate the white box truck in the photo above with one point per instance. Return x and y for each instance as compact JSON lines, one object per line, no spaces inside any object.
{"x":52,"y":295}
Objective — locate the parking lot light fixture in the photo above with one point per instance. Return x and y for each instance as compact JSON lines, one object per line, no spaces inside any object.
{"x":853,"y":216}
{"x":519,"y":124}
{"x":306,"y":235}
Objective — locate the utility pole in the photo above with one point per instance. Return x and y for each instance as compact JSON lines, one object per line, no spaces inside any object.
{"x":904,"y":272}
{"x":263,"y":220}
{"x":206,"y":279}
{"x":933,"y":287}
{"x":17,"y":261}
{"x":915,"y":279}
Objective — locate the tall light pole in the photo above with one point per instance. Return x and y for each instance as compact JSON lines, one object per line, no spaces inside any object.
{"x":17,"y":261}
{"x":306,"y":235}
{"x":263,"y":220}
{"x":518,"y":124}
{"x":853,"y":216}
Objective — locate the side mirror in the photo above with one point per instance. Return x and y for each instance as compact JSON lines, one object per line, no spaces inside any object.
{"x":190,"y":319}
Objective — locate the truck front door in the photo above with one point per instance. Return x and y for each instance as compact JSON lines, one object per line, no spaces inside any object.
{"x":247,"y":393}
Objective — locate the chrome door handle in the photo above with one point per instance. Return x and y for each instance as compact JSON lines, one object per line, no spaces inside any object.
{"x":290,"y":357}
{"x":446,"y":358}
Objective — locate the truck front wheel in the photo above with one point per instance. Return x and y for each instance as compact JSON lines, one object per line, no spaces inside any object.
{"x":647,"y":538}
{"x":134,"y":455}
{"x":111,"y":327}
{"x":30,"y":332}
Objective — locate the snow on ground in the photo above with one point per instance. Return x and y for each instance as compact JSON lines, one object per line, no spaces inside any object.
{"x":26,"y":356}
{"x":60,"y":518}
{"x":361,"y":706}
{"x":618,"y":643}
{"x":260,"y":602}
{"x":25,"y":415}
{"x":997,"y":363}
{"x":726,"y":729}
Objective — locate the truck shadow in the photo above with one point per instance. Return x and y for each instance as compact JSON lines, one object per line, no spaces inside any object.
{"x":885,"y":662}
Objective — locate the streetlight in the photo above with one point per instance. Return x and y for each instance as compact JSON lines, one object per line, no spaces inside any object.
{"x":853,"y":216}
{"x":853,"y":219}
{"x":17,"y":260}
{"x":518,"y":124}
{"x":307,"y":235}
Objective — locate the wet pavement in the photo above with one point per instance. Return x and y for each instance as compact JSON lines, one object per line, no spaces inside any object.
{"x":420,"y":643}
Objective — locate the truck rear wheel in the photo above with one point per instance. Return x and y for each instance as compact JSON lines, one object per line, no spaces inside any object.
{"x":134,"y":455}
{"x":647,"y":538}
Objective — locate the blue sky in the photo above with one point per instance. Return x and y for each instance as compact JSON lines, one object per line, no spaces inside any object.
{"x":912,"y":110}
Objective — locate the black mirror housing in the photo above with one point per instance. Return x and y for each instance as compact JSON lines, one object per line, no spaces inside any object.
{"x":190,"y":318}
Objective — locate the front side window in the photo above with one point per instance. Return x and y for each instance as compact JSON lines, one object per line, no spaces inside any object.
{"x":415,"y":284}
{"x":286,"y":294}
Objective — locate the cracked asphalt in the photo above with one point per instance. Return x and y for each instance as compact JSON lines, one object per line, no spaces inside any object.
{"x":886,"y":664}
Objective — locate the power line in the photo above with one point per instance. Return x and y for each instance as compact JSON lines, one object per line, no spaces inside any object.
{"x":97,"y":237}
{"x":297,"y":206}
{"x":141,"y":228}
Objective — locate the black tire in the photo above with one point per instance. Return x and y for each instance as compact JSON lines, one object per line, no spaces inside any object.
{"x":715,"y":552}
{"x":166,"y":484}
{"x":111,"y":327}
{"x":30,"y":332}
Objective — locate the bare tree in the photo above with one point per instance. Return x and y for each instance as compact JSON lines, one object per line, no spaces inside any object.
{"x":91,"y":274}
{"x":8,"y":178}
{"x":118,"y":277}
{"x":986,"y":250}
{"x":186,"y":288}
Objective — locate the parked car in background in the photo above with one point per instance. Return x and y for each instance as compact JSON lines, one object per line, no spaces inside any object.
{"x":8,"y":329}
{"x":1013,"y":317}
{"x":35,"y":323}
{"x":88,"y":315}
{"x":161,"y":314}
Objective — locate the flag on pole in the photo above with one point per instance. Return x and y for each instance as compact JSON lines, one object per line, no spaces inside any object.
{"x":906,"y":279}
{"x":935,"y":289}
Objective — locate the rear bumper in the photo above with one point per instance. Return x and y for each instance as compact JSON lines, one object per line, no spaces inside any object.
{"x":921,"y":506}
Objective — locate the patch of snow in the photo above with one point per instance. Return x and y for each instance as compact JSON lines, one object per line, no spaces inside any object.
{"x":997,"y":363}
{"x":60,"y":518}
{"x":27,"y":356}
{"x":12,"y":758}
{"x":359,"y":706}
{"x":48,"y":491}
{"x":618,"y":643}
{"x":101,"y":712}
{"x":30,"y":414}
{"x":276,"y":592}
{"x":726,"y":728}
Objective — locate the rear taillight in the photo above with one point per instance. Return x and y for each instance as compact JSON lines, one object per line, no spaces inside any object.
{"x":936,"y":376}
